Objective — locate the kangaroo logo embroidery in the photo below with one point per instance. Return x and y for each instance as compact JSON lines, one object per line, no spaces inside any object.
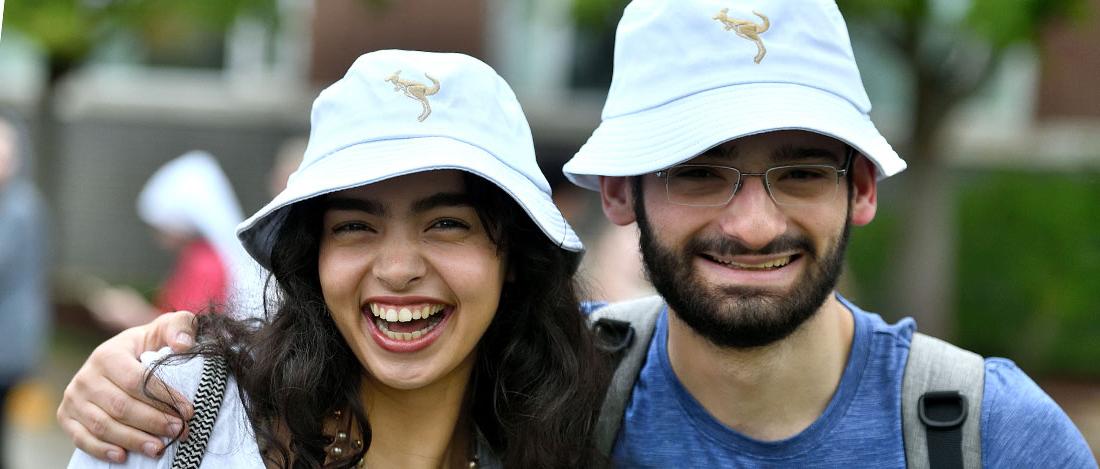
{"x":415,"y":90}
{"x":746,"y":29}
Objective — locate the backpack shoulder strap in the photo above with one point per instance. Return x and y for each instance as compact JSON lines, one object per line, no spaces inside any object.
{"x":208,"y":400}
{"x":933,"y":413}
{"x":630,"y":326}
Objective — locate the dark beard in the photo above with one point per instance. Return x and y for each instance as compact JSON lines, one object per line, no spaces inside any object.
{"x":733,"y":316}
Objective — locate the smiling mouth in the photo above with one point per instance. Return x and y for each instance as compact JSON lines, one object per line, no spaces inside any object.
{"x":407,"y":322}
{"x":772,"y":264}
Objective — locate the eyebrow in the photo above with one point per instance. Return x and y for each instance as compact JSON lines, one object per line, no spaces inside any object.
{"x":368,"y":206}
{"x":442,"y":199}
{"x":790,"y":153}
{"x":783,"y":154}
{"x":373,"y":207}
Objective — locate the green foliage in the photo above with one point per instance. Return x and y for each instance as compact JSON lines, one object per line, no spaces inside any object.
{"x":597,"y":16}
{"x":868,"y":260}
{"x":912,"y":11}
{"x":1028,"y":267}
{"x":68,"y":30}
{"x":999,"y":23}
{"x":65,"y":28}
{"x":1004,"y":22}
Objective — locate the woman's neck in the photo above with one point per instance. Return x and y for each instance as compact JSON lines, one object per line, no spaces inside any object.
{"x":426,"y":427}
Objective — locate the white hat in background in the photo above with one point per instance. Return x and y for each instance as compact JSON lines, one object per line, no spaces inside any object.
{"x":192,"y":195}
{"x":402,"y":112}
{"x":692,"y":74}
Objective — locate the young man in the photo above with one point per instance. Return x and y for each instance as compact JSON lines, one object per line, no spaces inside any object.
{"x":737,"y":137}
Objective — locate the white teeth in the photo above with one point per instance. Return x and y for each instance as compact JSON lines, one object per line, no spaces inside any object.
{"x":763,"y":265}
{"x":383,"y":326}
{"x":405,"y":314}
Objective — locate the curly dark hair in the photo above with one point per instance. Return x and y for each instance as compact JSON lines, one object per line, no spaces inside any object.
{"x":537,"y":385}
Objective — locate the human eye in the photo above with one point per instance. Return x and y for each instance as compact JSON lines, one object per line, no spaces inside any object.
{"x":449,"y":224}
{"x":349,"y":227}
{"x":803,"y":173}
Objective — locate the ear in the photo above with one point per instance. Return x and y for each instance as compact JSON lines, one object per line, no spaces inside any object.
{"x":864,"y":191}
{"x":618,"y":199}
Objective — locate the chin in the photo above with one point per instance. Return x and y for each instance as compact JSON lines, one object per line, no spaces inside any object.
{"x":403,"y":377}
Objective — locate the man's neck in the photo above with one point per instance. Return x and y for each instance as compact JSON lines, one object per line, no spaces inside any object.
{"x":768,"y":393}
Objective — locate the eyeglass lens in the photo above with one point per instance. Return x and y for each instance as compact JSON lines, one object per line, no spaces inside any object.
{"x":702,"y":185}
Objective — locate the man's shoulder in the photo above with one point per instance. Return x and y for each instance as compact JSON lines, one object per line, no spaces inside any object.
{"x":1022,"y":424}
{"x":601,"y":308}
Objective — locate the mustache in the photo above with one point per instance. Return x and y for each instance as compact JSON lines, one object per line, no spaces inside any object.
{"x":731,"y":247}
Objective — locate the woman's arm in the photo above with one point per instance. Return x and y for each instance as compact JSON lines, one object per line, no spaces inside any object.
{"x":105,"y":409}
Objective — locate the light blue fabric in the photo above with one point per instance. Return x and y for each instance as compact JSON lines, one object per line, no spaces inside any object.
{"x":24,"y":309}
{"x":665,"y":426}
{"x":232,"y":442}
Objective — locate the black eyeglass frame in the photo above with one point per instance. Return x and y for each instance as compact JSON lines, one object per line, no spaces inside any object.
{"x":840,"y":173}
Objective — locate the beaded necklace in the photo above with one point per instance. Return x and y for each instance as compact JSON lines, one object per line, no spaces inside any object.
{"x":344,"y":443}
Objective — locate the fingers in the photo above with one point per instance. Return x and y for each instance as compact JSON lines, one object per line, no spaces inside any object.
{"x":109,"y":407}
{"x":94,"y":439}
{"x":89,"y":444}
{"x":117,"y":383}
{"x":92,"y":413}
{"x":175,"y":330}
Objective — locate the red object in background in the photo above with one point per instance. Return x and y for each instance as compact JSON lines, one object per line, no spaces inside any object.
{"x":198,"y":281}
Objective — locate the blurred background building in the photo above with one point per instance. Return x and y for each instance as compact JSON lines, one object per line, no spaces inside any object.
{"x":998,"y":106}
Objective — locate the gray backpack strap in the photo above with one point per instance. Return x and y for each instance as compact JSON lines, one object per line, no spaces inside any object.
{"x":934,"y":366}
{"x":641,"y":315}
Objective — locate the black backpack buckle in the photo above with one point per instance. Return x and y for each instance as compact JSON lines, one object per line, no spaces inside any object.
{"x":613,"y":336}
{"x":942,"y":409}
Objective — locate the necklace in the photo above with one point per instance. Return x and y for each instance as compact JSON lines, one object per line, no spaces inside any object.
{"x":345,"y":443}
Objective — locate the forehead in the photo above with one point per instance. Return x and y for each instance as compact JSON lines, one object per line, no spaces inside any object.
{"x":777,"y":147}
{"x":409,"y":187}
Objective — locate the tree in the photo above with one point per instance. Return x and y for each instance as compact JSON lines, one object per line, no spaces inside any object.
{"x":67,"y":32}
{"x":950,"y":50}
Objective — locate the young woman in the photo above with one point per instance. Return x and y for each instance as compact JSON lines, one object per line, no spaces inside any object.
{"x":426,"y":315}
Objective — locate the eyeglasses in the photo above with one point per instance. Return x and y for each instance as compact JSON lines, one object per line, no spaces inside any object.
{"x":702,"y":185}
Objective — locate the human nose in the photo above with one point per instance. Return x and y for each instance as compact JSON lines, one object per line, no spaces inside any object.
{"x":400,"y":264}
{"x":751,"y":216}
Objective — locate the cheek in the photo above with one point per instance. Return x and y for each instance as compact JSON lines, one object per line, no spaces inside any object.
{"x":475,"y":275}
{"x":338,"y":272}
{"x":827,"y":228}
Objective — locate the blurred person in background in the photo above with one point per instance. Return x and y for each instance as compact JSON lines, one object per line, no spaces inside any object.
{"x":24,"y":310}
{"x":190,"y":205}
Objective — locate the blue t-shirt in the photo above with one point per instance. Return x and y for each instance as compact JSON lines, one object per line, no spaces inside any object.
{"x":664,"y":426}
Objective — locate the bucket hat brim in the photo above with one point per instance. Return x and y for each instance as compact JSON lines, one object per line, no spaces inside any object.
{"x":374,"y":161}
{"x":671,"y":133}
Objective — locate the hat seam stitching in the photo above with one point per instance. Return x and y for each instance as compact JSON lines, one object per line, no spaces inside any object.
{"x":685,"y":96}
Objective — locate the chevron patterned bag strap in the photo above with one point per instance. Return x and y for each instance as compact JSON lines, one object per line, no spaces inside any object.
{"x":208,"y":401}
